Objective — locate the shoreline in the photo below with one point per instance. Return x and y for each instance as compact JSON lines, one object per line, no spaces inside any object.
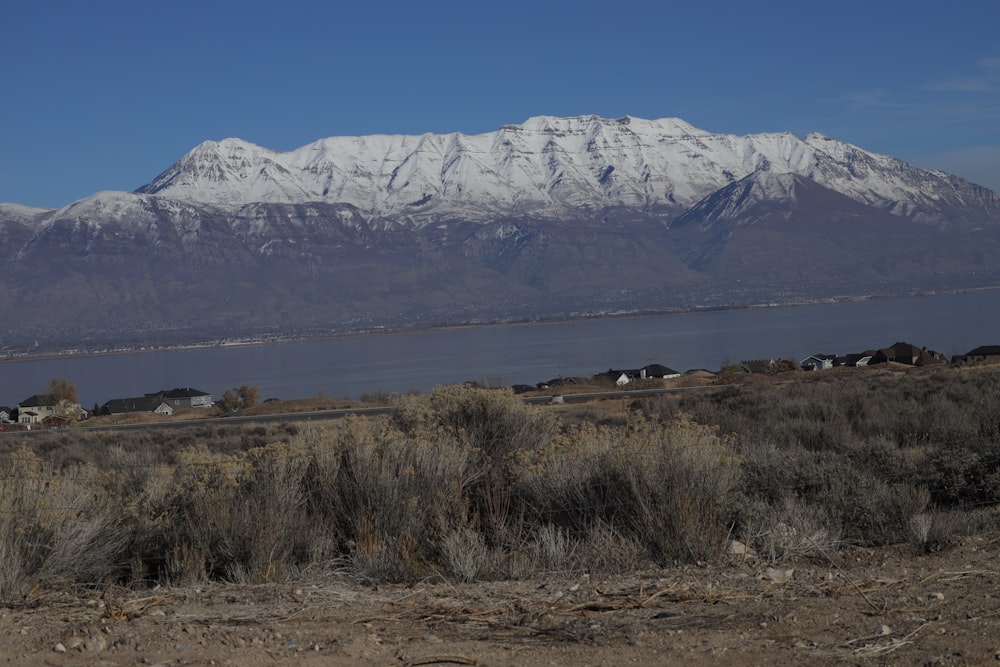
{"x":457,"y":326}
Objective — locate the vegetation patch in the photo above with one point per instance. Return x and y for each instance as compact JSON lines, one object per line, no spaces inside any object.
{"x":467,"y":484}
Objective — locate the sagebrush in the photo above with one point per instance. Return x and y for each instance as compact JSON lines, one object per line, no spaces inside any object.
{"x":468,"y":484}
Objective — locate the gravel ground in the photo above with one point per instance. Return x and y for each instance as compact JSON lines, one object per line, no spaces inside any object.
{"x":894,"y":605}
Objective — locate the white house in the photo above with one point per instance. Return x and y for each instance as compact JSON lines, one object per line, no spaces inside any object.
{"x":818,"y":362}
{"x":36,"y":409}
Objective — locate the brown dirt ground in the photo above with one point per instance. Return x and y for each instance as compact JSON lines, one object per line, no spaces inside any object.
{"x":894,"y":605}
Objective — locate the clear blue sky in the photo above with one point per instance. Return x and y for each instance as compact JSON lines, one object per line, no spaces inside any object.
{"x":107,"y":94}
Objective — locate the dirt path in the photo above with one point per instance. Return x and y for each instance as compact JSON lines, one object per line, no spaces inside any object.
{"x":879,"y":606}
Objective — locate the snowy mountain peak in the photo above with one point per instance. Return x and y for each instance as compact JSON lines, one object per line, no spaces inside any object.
{"x":546,"y":167}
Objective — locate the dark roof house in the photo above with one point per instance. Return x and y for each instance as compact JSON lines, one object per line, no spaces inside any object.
{"x":39,"y":400}
{"x":36,"y":408}
{"x":120,"y":406}
{"x":658,"y":371}
{"x":906,"y":353}
{"x":855,"y":359}
{"x":984,"y":354}
{"x":180,"y":398}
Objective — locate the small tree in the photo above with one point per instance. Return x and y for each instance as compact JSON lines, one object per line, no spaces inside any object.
{"x":239,"y":398}
{"x":65,"y":395}
{"x":63,"y":390}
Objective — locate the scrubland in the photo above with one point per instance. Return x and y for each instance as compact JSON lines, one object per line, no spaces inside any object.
{"x":465,"y":484}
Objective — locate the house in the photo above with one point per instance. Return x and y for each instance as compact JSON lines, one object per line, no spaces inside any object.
{"x":623,"y":377}
{"x":659,"y":371}
{"x":6,"y":415}
{"x":905,"y":353}
{"x":55,"y":421}
{"x":984,"y":354}
{"x":121,"y":406}
{"x":819,"y":362}
{"x":37,"y":408}
{"x":182,"y":398}
{"x":855,"y":359}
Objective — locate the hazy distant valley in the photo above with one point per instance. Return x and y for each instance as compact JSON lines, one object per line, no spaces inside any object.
{"x":558,"y":217}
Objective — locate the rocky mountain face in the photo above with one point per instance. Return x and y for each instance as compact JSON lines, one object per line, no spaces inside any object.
{"x":556,"y":217}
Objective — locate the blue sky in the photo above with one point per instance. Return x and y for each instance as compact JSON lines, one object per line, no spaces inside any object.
{"x":107,"y":94}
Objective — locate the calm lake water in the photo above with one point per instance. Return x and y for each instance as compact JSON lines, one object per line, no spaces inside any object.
{"x":351,"y":366}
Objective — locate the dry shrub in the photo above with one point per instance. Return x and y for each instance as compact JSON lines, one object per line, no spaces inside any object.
{"x":57,"y":526}
{"x":473,"y":484}
{"x":554,"y":548}
{"x":791,"y":528}
{"x":606,"y":549}
{"x":396,"y":496}
{"x":870,"y":510}
{"x":241,"y":516}
{"x":666,"y":487}
{"x":493,"y":422}
{"x":682,"y":478}
{"x":134,"y":473}
{"x":861,"y":491}
{"x":465,"y":555}
{"x":492,"y":427}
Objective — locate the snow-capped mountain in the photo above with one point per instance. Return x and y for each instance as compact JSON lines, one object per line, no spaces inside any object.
{"x":553,"y":217}
{"x":551,"y":167}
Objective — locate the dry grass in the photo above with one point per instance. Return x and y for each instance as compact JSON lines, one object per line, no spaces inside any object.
{"x":57,"y":526}
{"x":470,"y":484}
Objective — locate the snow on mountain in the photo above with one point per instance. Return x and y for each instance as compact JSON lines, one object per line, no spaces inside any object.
{"x":547,"y":167}
{"x":21,"y":214}
{"x":122,"y":215}
{"x":889,"y":183}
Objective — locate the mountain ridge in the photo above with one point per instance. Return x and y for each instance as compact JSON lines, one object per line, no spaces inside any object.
{"x":555,"y":217}
{"x":545,"y":167}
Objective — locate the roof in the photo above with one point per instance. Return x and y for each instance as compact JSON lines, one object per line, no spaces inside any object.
{"x":179,"y":392}
{"x":984,"y":351}
{"x":853,"y":358}
{"x":47,"y":400}
{"x":119,"y":406}
{"x":909,"y":354}
{"x":659,"y":370}
{"x":822,"y":357}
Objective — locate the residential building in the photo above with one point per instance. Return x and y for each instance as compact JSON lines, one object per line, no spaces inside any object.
{"x":984,"y":354}
{"x":181,"y":398}
{"x":37,"y":408}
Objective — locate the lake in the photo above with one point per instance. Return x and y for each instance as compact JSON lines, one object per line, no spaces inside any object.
{"x":352,"y":365}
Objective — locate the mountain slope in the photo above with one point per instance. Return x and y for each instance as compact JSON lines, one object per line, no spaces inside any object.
{"x":556,"y":217}
{"x":784,"y":229}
